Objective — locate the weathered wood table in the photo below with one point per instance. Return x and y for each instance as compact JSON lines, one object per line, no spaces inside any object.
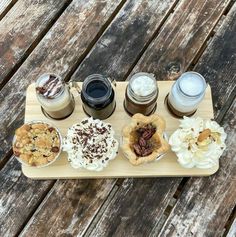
{"x":75,"y":38}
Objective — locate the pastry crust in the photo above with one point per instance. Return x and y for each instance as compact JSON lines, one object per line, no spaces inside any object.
{"x":137,"y":120}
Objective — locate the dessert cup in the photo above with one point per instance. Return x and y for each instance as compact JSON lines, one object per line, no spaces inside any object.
{"x":56,"y":157}
{"x":143,"y":139}
{"x":90,"y":144}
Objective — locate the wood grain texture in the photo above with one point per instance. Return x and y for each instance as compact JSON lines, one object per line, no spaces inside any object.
{"x":69,"y":209}
{"x":218,"y":64}
{"x":125,"y":39}
{"x":57,"y":53}
{"x":206,"y":203}
{"x":181,"y":37}
{"x":120,"y":166}
{"x":25,"y":23}
{"x":232,"y":230}
{"x":5,"y":5}
{"x":136,"y":208}
{"x":62,"y":46}
{"x":186,"y":30}
{"x":19,"y":197}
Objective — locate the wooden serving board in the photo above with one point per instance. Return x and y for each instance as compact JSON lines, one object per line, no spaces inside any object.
{"x":120,"y":166}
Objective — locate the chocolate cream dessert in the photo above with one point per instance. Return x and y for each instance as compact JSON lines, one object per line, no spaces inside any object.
{"x":90,"y":144}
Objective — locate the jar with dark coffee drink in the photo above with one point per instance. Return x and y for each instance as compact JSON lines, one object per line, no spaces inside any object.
{"x":98,"y":96}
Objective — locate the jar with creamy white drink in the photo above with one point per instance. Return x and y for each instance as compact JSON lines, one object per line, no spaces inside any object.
{"x":141,"y":94}
{"x":54,"y":96}
{"x":186,"y":94}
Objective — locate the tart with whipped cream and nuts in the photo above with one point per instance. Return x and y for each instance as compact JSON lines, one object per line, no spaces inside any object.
{"x":37,"y":144}
{"x":90,"y":144}
{"x":143,"y":139}
{"x":198,"y":143}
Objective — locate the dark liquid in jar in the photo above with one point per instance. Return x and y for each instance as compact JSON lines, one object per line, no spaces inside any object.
{"x":96,"y":89}
{"x":102,"y":104}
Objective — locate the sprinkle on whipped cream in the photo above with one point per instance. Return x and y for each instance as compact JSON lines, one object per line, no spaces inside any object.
{"x":90,"y":144}
{"x":198,"y":143}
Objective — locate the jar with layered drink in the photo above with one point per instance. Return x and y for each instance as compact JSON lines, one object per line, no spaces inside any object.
{"x":54,"y":96}
{"x":141,"y":94}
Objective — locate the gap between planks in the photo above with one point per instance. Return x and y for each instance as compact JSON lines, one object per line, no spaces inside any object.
{"x":184,"y":181}
{"x":229,"y":222}
{"x":102,"y":209}
{"x":93,"y":42}
{"x":34,"y":45}
{"x":220,"y":118}
{"x":220,"y":21}
{"x":153,"y":37}
{"x":41,"y":201}
{"x":7,"y":7}
{"x":210,"y":36}
{"x":115,"y":188}
{"x":37,"y":41}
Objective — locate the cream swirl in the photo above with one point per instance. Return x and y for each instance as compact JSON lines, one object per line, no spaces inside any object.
{"x":193,"y":150}
{"x":90,"y":144}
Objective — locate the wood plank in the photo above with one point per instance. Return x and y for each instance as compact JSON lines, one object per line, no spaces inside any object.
{"x":69,"y":208}
{"x":22,"y":28}
{"x":181,"y":37}
{"x":57,"y":52}
{"x":136,"y":208}
{"x":19,"y":197}
{"x":125,"y":39}
{"x":218,"y":64}
{"x":62,"y":46}
{"x":205,"y":205}
{"x":5,"y":6}
{"x":232,"y":230}
{"x":120,"y":166}
{"x":213,"y":197}
{"x":191,"y":18}
{"x":36,"y":220}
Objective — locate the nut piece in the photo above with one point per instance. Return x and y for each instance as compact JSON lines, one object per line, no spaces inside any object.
{"x":142,"y":141}
{"x":204,"y":135}
{"x":147,"y":134}
{"x":137,"y":149}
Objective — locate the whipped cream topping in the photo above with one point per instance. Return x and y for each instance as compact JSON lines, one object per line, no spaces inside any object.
{"x":194,"y":152}
{"x":143,"y":85}
{"x":49,"y":86}
{"x":90,"y":144}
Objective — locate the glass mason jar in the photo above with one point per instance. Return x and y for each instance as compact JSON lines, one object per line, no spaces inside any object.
{"x":141,"y":94}
{"x":98,"y":96}
{"x":54,"y":96}
{"x":186,"y":94}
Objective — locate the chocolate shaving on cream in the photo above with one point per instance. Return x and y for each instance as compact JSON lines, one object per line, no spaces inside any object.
{"x":50,"y":86}
{"x":90,"y":144}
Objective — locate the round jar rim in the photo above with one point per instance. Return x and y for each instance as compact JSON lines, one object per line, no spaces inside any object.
{"x":48,"y":74}
{"x":101,"y":78}
{"x":196,"y":74}
{"x":139,"y":98}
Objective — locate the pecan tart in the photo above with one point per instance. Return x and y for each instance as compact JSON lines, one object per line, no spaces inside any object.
{"x":143,"y":139}
{"x":37,"y":144}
